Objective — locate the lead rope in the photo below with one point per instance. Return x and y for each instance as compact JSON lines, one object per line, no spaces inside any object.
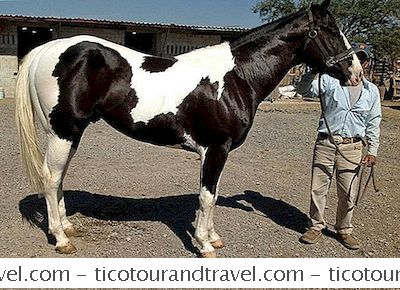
{"x":360,"y":166}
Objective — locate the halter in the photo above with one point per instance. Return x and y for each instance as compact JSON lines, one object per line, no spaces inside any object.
{"x":313,"y":36}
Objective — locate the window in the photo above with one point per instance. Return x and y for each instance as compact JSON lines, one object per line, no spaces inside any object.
{"x":7,"y":39}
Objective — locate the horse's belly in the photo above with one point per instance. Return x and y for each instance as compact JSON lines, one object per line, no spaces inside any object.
{"x":161,"y":130}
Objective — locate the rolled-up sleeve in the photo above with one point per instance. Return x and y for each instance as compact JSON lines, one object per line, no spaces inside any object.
{"x":308,"y":85}
{"x":373,"y":122}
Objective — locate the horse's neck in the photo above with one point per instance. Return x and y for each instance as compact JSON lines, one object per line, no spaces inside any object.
{"x":264,"y":62}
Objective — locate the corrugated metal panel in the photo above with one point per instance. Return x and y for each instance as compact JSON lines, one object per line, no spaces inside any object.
{"x":115,"y":22}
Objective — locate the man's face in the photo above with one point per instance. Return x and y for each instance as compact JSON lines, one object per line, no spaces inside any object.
{"x":364,"y":58}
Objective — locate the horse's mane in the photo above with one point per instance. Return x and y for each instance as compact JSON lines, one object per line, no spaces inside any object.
{"x":261,"y":30}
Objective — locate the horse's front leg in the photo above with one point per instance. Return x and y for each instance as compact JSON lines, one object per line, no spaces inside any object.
{"x":212,"y":163}
{"x":214,"y":238}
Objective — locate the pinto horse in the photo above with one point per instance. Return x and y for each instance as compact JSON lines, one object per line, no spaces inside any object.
{"x":203,"y":101}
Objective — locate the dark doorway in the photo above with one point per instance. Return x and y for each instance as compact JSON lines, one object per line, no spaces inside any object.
{"x":229,"y":37}
{"x":143,"y":42}
{"x":31,"y":37}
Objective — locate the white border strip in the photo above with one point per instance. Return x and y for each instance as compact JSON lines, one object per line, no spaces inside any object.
{"x":199,"y":273}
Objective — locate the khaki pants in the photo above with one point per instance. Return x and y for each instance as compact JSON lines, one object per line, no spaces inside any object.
{"x":325,"y":162}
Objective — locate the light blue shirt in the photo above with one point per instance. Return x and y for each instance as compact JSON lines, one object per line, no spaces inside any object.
{"x":360,"y":120}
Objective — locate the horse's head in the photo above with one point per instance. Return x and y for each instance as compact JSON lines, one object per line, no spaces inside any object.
{"x":327,"y":49}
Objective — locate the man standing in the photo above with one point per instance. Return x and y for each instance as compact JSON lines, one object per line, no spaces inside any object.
{"x":352,"y":114}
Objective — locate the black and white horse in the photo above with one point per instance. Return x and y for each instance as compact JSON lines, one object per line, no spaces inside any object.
{"x":204,"y":101}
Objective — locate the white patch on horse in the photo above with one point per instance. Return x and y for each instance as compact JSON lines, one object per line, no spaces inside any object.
{"x":162,"y":92}
{"x":202,"y":219}
{"x":355,"y":67}
{"x":346,"y":42}
{"x":189,"y":142}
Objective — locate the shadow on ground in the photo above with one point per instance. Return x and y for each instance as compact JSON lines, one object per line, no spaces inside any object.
{"x":177,"y":212}
{"x":278,"y":211}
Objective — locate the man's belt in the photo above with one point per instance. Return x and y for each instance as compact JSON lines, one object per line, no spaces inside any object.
{"x":339,"y":139}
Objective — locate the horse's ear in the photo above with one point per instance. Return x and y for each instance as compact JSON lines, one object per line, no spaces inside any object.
{"x":323,"y":7}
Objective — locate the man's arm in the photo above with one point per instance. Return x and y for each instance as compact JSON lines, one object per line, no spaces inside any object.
{"x":308,"y":85}
{"x":373,"y":128}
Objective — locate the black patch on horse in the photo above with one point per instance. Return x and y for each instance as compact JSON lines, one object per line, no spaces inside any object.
{"x":93,"y":80}
{"x":157,"y":64}
{"x":163,"y":129}
{"x":210,"y":120}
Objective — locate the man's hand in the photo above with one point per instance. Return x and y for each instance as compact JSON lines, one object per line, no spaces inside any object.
{"x":369,"y":160}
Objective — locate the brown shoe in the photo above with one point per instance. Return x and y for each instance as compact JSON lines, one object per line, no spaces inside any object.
{"x":311,"y":236}
{"x":349,"y":241}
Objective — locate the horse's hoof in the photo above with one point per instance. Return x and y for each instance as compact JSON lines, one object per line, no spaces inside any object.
{"x":72,"y":232}
{"x":67,"y":249}
{"x":218,"y":244}
{"x":208,"y":255}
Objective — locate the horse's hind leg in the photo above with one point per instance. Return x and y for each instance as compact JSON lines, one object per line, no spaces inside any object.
{"x":55,"y":162}
{"x":213,"y":161}
{"x":68,"y":227}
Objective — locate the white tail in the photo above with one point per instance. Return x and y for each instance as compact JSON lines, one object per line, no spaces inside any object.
{"x":31,"y":155}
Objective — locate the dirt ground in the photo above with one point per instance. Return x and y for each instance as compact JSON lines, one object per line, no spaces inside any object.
{"x":132,"y":199}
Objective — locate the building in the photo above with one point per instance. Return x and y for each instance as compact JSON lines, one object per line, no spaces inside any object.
{"x":19,"y":34}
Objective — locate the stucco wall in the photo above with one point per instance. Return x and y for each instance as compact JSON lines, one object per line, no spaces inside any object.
{"x":8,"y":71}
{"x":8,"y":39}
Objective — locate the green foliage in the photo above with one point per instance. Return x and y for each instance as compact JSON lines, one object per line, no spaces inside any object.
{"x":386,"y":43}
{"x":370,"y":21}
{"x":274,"y":9}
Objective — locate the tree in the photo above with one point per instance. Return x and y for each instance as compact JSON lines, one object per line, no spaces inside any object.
{"x":369,"y":21}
